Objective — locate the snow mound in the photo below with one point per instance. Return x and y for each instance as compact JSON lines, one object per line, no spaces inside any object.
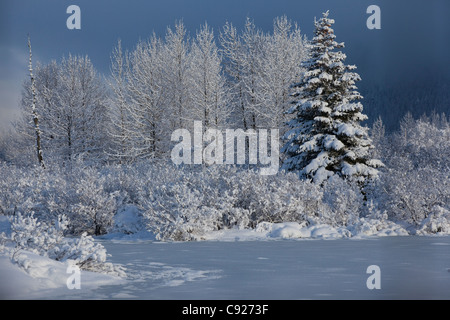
{"x":374,"y":227}
{"x":323,"y":231}
{"x":362,"y":228}
{"x":289,"y":230}
{"x":33,"y":276}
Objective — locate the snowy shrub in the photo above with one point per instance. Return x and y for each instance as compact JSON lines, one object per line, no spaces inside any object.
{"x":344,"y":200}
{"x":417,"y":178}
{"x":181,"y":207}
{"x":285,"y":198}
{"x":128,"y":220}
{"x":417,"y":175}
{"x":13,"y":184}
{"x":38,"y":237}
{"x":48,"y":240}
{"x":88,"y":255}
{"x":379,"y":226}
{"x":191,"y":201}
{"x":33,"y":190}
{"x":438,"y":221}
{"x":3,"y":241}
{"x":176,"y":212}
{"x":126,"y":181}
{"x":93,"y":208}
{"x":183,"y":204}
{"x":48,"y":194}
{"x":412,"y":193}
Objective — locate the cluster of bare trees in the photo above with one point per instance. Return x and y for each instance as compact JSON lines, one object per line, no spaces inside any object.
{"x":229,"y":79}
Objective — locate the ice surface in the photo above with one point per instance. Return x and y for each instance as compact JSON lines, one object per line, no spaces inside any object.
{"x":274,"y":261}
{"x":411,"y":268}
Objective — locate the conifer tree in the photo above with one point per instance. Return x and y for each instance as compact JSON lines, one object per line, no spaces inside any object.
{"x":325,"y":136}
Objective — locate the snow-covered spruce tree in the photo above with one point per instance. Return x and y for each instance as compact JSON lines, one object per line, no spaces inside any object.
{"x":325,"y":136}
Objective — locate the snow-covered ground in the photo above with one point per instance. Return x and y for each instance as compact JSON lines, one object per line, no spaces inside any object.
{"x":243,"y":264}
{"x":43,"y":278}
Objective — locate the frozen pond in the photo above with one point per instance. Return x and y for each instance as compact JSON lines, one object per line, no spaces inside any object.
{"x":411,"y":268}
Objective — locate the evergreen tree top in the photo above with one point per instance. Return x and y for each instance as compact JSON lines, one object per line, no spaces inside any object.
{"x":324,"y":36}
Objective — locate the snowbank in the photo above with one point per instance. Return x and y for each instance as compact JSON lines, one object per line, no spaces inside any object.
{"x":36,"y":258}
{"x":363,"y":228}
{"x":376,"y":228}
{"x":38,"y":277}
{"x":288,"y":230}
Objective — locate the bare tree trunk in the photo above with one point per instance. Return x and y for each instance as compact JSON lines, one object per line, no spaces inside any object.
{"x":34,"y":112}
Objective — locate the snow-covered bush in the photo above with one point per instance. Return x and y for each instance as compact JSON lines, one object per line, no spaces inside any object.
{"x":33,"y":190}
{"x":438,"y":221}
{"x":177,"y":212}
{"x":381,"y":226}
{"x":344,"y":199}
{"x":48,"y":240}
{"x":416,"y":179}
{"x":282,"y":198}
{"x":412,"y":193}
{"x":186,"y":202}
{"x":93,"y":209}
{"x":191,"y":201}
{"x":15,"y":190}
{"x":128,"y":220}
{"x":39,"y":237}
{"x":46,"y":194}
{"x":3,"y":241}
{"x":88,"y":255}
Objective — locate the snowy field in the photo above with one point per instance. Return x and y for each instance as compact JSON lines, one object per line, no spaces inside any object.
{"x":243,"y":265}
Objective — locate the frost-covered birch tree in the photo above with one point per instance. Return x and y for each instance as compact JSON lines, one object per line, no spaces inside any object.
{"x":176,"y":74}
{"x":80,"y":117}
{"x":71,"y":99}
{"x":149,"y":110}
{"x":43,"y":96}
{"x":233,"y":55}
{"x":208,"y":92}
{"x":118,"y":108}
{"x":252,"y":41}
{"x":280,"y":67}
{"x":34,"y":111}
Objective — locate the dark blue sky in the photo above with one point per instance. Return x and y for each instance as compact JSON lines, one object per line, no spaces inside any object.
{"x":413,"y":44}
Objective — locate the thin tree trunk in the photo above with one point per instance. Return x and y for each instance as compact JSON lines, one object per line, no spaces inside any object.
{"x":34,"y":112}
